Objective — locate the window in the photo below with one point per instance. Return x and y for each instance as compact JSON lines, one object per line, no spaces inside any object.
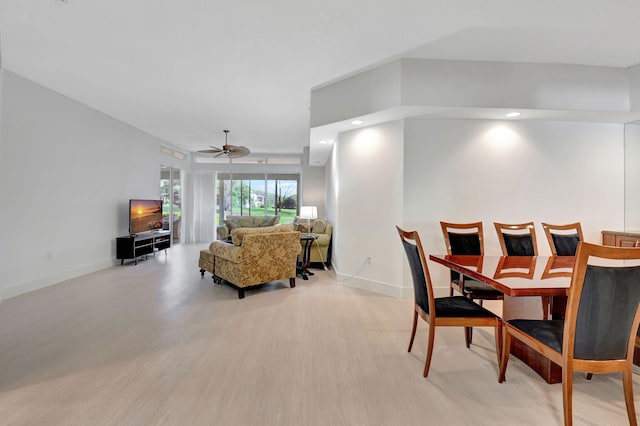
{"x":257,"y":194}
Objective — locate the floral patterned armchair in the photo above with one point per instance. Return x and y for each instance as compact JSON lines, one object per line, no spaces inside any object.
{"x":257,"y":256}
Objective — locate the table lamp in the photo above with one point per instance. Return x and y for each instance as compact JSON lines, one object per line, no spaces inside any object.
{"x":308,"y":212}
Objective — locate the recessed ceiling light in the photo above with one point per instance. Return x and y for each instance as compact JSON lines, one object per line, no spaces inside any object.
{"x":513,"y":114}
{"x":356,"y":122}
{"x":323,"y":142}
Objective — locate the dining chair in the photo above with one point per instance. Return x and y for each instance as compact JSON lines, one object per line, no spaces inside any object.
{"x":598,"y":333}
{"x":467,"y":239}
{"x":517,"y":239}
{"x":441,"y":311}
{"x":563,"y":239}
{"x":520,"y":240}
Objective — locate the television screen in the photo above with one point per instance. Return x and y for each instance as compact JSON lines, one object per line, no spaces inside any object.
{"x":144,"y":215}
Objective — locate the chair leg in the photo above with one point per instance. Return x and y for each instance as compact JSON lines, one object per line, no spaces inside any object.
{"x":498,"y":334}
{"x":627,"y":384}
{"x":450,"y":291}
{"x":432,"y":333}
{"x":413,"y":329}
{"x":589,"y":376}
{"x":240,"y":293}
{"x":201,"y":273}
{"x":292,"y":282}
{"x":468,"y":331}
{"x":567,"y":390}
{"x":504,"y":359}
{"x":546,"y":307}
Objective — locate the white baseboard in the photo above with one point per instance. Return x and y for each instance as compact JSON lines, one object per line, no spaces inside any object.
{"x":380,"y":287}
{"x":26,"y":287}
{"x":375,"y":286}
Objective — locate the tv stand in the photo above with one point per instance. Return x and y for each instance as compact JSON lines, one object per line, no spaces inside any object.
{"x":141,"y":245}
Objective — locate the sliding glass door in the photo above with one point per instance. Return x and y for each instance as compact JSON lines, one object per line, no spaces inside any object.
{"x":257,"y":194}
{"x":171,"y":195}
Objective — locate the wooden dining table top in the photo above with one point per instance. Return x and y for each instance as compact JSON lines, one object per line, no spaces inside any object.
{"x":515,"y":275}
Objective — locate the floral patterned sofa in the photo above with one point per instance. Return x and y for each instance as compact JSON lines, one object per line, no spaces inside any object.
{"x":256,"y":256}
{"x":234,"y":222}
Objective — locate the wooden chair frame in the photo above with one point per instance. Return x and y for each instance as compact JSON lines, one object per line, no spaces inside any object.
{"x":470,"y":228}
{"x":467,"y":228}
{"x":516,"y":229}
{"x":432,"y":319}
{"x":566,"y":359}
{"x":563,"y":229}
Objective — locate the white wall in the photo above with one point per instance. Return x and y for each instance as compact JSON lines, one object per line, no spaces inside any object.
{"x":466,"y":170}
{"x":68,"y":172}
{"x":364,"y":93}
{"x":364,"y":196}
{"x":634,"y":87}
{"x":524,"y":85}
{"x":417,"y":86}
{"x":512,"y":172}
{"x":313,"y":186}
{"x":3,"y":219}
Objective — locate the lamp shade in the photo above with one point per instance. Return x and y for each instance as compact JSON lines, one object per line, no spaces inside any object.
{"x":308,"y":212}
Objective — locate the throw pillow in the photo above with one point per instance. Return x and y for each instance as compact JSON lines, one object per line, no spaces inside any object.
{"x":301,"y":227}
{"x":269,"y":221}
{"x":319,"y":227}
{"x":232,"y":224}
{"x":246,"y":221}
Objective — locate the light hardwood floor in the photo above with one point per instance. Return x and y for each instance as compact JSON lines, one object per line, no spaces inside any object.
{"x":154,"y":344}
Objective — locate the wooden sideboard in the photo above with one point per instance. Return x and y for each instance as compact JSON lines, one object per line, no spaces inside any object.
{"x":621,"y":238}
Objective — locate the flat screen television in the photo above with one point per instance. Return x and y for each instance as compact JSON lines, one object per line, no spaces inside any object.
{"x":144,"y":216}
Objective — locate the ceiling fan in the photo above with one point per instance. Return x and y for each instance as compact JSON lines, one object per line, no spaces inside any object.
{"x":229,"y":151}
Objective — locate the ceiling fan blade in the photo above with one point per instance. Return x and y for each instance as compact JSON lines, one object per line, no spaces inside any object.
{"x":220,"y":154}
{"x":238,"y":151}
{"x":213,"y":150}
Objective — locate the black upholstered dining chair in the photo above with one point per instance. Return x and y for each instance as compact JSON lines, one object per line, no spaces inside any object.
{"x":441,"y":311}
{"x":520,"y":240}
{"x":563,"y":239}
{"x":601,"y":321}
{"x":467,"y":239}
{"x":517,"y":239}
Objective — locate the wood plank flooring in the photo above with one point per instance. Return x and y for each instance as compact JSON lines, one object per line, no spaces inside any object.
{"x":154,"y":344}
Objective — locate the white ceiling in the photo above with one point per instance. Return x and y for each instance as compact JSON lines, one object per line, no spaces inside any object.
{"x":185,"y":70}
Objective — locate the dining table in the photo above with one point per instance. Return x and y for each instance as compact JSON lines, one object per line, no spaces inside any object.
{"x":534,"y":287}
